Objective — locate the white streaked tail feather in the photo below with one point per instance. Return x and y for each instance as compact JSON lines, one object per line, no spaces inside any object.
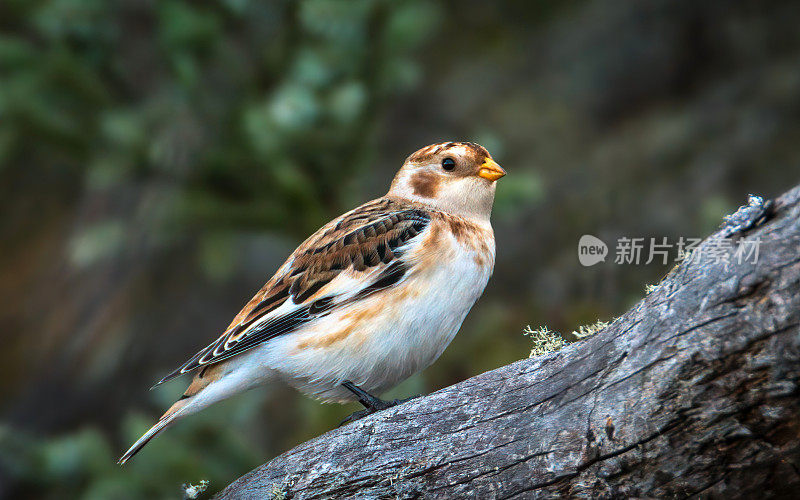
{"x":168,"y":418}
{"x":235,"y":377}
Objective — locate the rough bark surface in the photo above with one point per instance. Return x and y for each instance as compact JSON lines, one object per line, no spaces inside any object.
{"x":693,"y":392}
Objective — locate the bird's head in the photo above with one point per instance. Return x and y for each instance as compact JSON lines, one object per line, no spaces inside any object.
{"x":454,"y":177}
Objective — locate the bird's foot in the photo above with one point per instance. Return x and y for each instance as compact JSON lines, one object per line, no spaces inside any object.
{"x":357,"y":416}
{"x":374,"y":409}
{"x":371,"y":403}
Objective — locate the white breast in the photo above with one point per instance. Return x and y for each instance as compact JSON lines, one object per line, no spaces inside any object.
{"x":382,"y":340}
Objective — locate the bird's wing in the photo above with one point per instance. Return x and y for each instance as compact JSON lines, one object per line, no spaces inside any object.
{"x":362,"y":250}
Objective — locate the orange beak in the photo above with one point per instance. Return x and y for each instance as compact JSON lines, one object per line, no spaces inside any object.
{"x":491,"y":170}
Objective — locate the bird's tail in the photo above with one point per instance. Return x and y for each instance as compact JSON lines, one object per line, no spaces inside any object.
{"x":207,"y":387}
{"x":176,"y":412}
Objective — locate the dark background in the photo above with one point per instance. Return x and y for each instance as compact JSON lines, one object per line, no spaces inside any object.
{"x":159,"y":160}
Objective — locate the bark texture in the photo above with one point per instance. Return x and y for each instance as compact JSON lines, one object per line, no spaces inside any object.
{"x":693,"y":392}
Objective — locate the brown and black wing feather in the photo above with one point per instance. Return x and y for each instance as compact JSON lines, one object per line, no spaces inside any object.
{"x":371,"y":236}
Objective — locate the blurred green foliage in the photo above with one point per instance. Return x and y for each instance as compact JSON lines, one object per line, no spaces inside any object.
{"x":221,"y":117}
{"x":82,"y":463}
{"x":249,"y":113}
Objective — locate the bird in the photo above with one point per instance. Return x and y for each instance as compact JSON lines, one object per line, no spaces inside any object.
{"x":371,"y":298}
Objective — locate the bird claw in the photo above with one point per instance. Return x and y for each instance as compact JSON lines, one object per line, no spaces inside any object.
{"x":377,"y":406}
{"x":401,"y":401}
{"x":357,"y":416}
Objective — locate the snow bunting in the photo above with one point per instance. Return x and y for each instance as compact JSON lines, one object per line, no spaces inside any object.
{"x":370,"y":299}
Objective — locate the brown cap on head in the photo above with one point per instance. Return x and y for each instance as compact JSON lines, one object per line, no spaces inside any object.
{"x":429,"y":152}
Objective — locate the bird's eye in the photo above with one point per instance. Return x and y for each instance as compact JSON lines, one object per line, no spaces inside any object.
{"x":448,"y":164}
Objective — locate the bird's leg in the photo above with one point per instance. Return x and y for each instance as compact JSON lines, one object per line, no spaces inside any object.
{"x":371,"y":403}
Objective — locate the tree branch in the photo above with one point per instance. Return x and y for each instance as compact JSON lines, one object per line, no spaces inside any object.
{"x":692,"y":392}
